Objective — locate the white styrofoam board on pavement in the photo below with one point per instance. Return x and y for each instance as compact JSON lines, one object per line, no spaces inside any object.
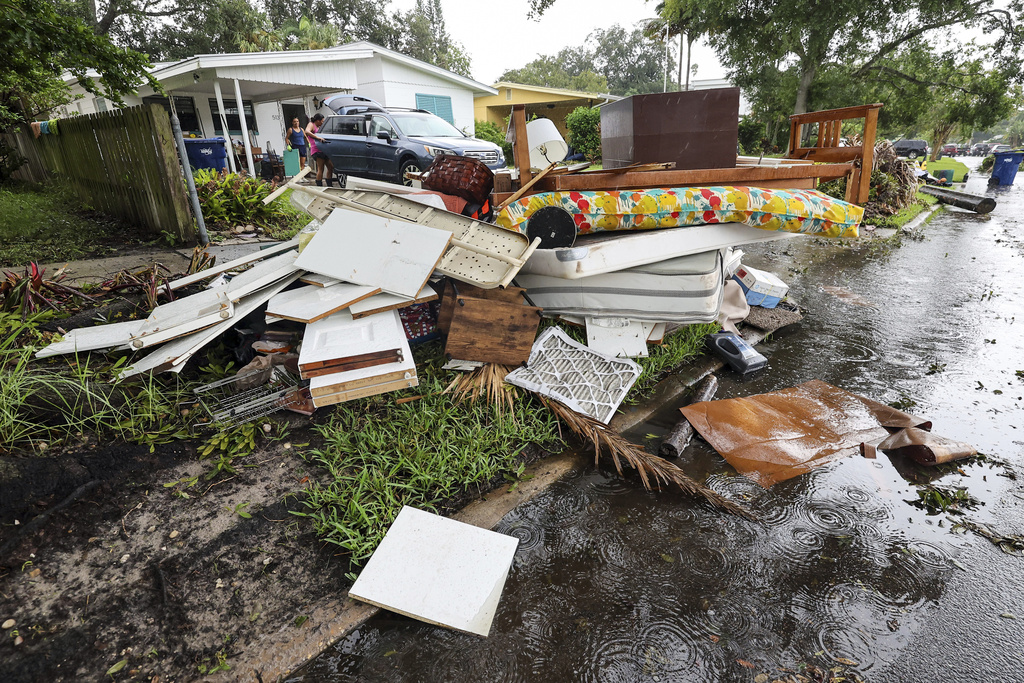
{"x":365,"y":249}
{"x":438,"y":570}
{"x":311,"y":303}
{"x":617,"y":337}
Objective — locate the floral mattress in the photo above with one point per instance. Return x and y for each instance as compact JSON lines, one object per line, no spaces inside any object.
{"x":805,"y":211}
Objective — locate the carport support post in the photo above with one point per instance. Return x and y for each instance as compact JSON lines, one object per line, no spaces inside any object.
{"x":179,"y":140}
{"x":245,"y":128}
{"x":224,"y":126}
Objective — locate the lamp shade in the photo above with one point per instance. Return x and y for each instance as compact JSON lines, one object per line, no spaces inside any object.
{"x":546,"y":144}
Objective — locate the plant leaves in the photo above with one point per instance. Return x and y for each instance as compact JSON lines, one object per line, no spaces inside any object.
{"x":117,"y":667}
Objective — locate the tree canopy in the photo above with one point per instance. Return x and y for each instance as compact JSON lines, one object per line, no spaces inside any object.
{"x":614,"y":60}
{"x":39,"y":43}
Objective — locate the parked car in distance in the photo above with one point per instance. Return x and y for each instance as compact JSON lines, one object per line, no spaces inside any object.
{"x":950,"y":149}
{"x":911,"y":149}
{"x":979,"y":149}
{"x":370,"y":141}
{"x":999,"y":148}
{"x":964,"y":149}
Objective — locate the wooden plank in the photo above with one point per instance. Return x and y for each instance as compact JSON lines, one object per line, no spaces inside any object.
{"x":860,"y":111}
{"x":523,"y":188}
{"x":235,"y":263}
{"x":311,"y":303}
{"x":347,"y":380}
{"x":829,"y":154}
{"x":753,"y":175}
{"x":512,"y":295}
{"x":368,"y":360}
{"x":183,"y":316}
{"x":492,"y":331}
{"x":93,"y":338}
{"x":868,"y":160}
{"x":341,"y":397}
{"x":521,"y":146}
{"x":389,"y":302}
{"x":363,"y":249}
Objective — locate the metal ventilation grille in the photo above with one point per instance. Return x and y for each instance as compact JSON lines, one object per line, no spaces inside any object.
{"x":588,"y":382}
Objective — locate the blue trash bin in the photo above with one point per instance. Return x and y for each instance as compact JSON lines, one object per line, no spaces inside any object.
{"x":206,"y":153}
{"x":1005,"y":168}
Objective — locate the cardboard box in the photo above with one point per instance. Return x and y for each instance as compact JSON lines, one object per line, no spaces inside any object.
{"x":762,"y":288}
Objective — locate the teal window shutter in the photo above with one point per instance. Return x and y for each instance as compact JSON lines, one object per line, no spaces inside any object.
{"x":438,"y":105}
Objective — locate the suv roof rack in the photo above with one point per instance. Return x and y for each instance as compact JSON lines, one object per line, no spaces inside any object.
{"x":419,"y":111}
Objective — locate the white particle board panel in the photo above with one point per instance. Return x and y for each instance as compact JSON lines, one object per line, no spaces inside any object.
{"x":438,"y":570}
{"x":340,"y":336}
{"x":93,"y":338}
{"x":387,"y":302}
{"x":369,"y":250}
{"x":655,"y":332}
{"x":263,"y":274}
{"x":183,"y":316}
{"x":318,"y":280}
{"x":173,"y":355}
{"x":617,"y":337}
{"x":236,"y":263}
{"x":311,"y":303}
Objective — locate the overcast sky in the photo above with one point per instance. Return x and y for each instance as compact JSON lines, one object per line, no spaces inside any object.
{"x":500,"y":36}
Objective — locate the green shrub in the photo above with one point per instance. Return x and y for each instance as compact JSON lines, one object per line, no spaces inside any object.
{"x":986,"y":164}
{"x":584,"y":124}
{"x":235,"y":199}
{"x":485,"y":130}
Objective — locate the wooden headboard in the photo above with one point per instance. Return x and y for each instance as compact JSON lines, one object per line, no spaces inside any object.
{"x":827,"y":149}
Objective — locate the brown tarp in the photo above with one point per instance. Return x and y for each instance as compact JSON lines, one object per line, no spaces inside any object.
{"x":776,"y":436}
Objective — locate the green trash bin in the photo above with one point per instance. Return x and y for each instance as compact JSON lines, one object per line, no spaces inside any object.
{"x":291,"y":162}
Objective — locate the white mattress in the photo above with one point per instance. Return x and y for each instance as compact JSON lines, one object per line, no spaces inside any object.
{"x":612,"y":251}
{"x":687,"y":289}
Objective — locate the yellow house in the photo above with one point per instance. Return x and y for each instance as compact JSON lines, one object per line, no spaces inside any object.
{"x":550,"y":103}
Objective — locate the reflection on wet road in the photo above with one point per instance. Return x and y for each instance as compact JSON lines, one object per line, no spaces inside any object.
{"x":612,"y":583}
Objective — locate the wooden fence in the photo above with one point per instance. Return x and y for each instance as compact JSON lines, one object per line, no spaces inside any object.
{"x":123,"y":163}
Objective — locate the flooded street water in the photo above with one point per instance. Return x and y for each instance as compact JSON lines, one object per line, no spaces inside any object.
{"x":611,"y":583}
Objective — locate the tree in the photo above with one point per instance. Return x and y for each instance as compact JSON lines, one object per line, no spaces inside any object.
{"x":40,"y":43}
{"x":855,"y":37}
{"x":612,"y":60}
{"x":426,"y":38}
{"x":564,"y":70}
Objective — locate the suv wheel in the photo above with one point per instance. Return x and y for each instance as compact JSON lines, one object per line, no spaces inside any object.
{"x":912,"y":154}
{"x":409,"y":165}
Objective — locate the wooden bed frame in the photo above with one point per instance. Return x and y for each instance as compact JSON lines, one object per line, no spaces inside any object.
{"x":793,"y":176}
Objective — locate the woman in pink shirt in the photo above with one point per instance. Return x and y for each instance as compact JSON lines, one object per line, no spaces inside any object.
{"x":318,"y":155}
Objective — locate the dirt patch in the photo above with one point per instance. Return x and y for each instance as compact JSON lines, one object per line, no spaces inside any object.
{"x":129,"y":571}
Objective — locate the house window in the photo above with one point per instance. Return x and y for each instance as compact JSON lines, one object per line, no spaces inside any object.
{"x":231,"y":112}
{"x":186,"y":108}
{"x":508,"y":93}
{"x":100,"y":104}
{"x":439,"y":105}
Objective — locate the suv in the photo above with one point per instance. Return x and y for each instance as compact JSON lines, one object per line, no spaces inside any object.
{"x":386,"y":144}
{"x":999,"y":148}
{"x":911,"y":149}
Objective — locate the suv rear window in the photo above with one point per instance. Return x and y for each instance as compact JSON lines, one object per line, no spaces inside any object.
{"x":345,"y":125}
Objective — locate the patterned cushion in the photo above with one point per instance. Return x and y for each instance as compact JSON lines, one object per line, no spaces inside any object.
{"x":806,"y":211}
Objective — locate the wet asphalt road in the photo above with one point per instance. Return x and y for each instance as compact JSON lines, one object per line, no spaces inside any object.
{"x":612,"y":583}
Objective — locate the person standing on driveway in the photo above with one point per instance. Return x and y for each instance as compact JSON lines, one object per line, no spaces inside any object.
{"x":318,"y":155}
{"x":297,"y":140}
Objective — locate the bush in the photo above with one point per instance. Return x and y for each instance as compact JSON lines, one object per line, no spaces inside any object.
{"x":986,"y":164}
{"x":236,"y":199}
{"x":584,"y":124}
{"x":485,"y":130}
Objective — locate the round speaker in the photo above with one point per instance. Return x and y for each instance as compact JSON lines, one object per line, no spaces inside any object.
{"x":554,"y":226}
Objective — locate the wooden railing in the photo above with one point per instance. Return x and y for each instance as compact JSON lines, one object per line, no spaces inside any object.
{"x":827,"y":148}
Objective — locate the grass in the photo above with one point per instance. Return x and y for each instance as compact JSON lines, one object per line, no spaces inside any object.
{"x":44,"y":404}
{"x":380,"y":456}
{"x":47,"y":223}
{"x":904,"y":216}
